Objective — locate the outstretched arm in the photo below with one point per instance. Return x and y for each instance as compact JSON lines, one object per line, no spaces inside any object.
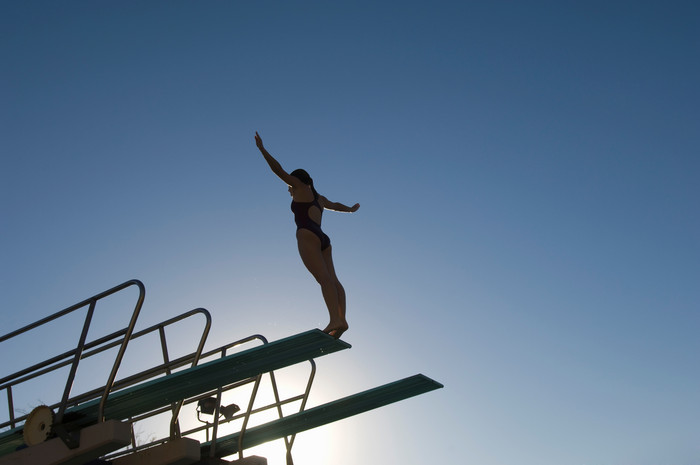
{"x":338,"y":207}
{"x":274,"y":164}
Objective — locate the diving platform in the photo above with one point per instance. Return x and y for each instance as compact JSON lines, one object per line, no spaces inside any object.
{"x":323,"y":414}
{"x":172,"y":388}
{"x":100,"y":424}
{"x":164,"y":391}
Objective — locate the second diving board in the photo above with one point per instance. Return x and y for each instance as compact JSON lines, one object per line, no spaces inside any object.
{"x":325,"y":413}
{"x":172,"y":388}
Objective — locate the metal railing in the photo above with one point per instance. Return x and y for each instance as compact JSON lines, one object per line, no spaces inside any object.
{"x":120,"y":339}
{"x":277,"y":404}
{"x":72,"y":358}
{"x":217,"y":421}
{"x":86,"y":349}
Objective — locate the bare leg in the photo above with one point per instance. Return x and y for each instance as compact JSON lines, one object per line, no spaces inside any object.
{"x":337,"y":329}
{"x":317,"y":262}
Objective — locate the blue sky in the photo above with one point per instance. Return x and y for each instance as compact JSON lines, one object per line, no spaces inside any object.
{"x":528,"y":175}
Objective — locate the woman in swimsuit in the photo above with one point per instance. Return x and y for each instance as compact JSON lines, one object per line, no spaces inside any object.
{"x":314,"y":245}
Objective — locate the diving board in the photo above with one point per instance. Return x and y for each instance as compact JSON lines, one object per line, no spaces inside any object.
{"x":172,"y":388}
{"x":324,"y":414}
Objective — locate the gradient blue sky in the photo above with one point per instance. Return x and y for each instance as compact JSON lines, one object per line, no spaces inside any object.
{"x":529,"y":180}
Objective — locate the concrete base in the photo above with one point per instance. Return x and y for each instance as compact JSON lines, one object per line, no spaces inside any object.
{"x":95,"y":441}
{"x":184,"y":451}
{"x":252,"y":460}
{"x":213,"y":461}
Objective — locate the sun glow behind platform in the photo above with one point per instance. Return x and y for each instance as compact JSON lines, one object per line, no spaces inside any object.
{"x":161,"y":398}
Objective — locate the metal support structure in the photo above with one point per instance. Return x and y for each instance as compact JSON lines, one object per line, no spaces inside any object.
{"x":247,"y":414}
{"x":289,"y":443}
{"x":84,"y":349}
{"x":148,"y":393}
{"x":72,"y":358}
{"x":11,"y":406}
{"x":174,"y":426}
{"x":122,"y":349}
{"x":223,"y":352}
{"x":72,"y":440}
{"x":325,"y":413}
{"x":76,"y":360}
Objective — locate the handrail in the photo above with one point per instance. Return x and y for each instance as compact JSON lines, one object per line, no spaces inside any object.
{"x":74,"y":369}
{"x":221,"y":351}
{"x":217,"y":421}
{"x":190,"y":359}
{"x":77,"y":353}
{"x":122,"y":349}
{"x":101,"y":348}
{"x":74,"y":307}
{"x":250,"y":411}
{"x":174,"y":426}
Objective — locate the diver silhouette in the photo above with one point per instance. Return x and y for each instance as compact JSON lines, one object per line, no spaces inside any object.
{"x":314,"y":245}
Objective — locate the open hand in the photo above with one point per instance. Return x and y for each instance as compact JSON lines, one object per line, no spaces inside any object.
{"x":354,"y":208}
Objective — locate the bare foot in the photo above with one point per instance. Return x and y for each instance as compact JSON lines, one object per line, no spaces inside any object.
{"x":336,"y":333}
{"x":336,"y":330}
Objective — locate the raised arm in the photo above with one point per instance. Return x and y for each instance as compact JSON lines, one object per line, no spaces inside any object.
{"x":274,"y":164}
{"x":338,"y":207}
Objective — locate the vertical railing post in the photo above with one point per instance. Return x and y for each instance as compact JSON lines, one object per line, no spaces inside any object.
{"x":11,"y":407}
{"x":174,"y":423}
{"x":290,"y":443}
{"x":76,"y":360}
{"x":247,"y":414}
{"x":122,"y":348}
{"x":215,"y":427}
{"x":71,"y":441}
{"x":164,"y":348}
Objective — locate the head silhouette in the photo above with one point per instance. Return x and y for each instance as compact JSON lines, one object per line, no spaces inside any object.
{"x":304,"y":177}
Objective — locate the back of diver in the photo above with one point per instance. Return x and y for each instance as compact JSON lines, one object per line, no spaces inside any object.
{"x":304,"y":221}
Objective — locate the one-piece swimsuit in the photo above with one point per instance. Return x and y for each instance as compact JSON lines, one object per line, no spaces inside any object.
{"x":304,"y":221}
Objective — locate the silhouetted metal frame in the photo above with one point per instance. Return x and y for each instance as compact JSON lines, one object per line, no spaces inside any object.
{"x":140,"y":377}
{"x":174,"y":426}
{"x":85,"y":350}
{"x":223,"y":352}
{"x":326,"y":413}
{"x":288,"y":442}
{"x":251,"y":402}
{"x":77,"y":353}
